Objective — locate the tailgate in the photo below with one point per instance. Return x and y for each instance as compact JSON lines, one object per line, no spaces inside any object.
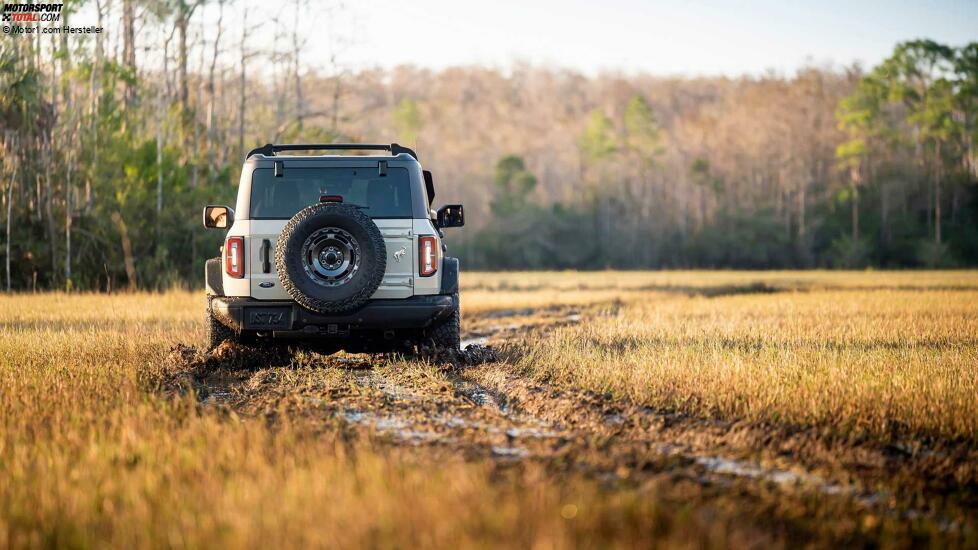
{"x":398,"y":279}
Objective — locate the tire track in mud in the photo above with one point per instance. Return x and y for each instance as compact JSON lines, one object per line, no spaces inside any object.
{"x":471,"y":406}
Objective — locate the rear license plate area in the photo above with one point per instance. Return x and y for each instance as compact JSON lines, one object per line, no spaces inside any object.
{"x":268,"y":318}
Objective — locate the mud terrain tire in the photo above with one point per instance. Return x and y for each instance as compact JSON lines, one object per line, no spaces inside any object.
{"x":445,"y":334}
{"x":293,"y":269}
{"x":215,"y":333}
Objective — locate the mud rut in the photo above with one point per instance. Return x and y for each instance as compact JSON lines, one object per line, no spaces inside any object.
{"x":475,"y":408}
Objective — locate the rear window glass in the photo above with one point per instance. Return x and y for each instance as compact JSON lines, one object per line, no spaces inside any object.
{"x":280,"y":198}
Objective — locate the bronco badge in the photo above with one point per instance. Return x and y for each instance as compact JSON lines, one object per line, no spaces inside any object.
{"x":399,"y":254}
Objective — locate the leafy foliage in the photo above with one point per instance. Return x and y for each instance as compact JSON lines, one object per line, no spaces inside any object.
{"x":105,"y":165}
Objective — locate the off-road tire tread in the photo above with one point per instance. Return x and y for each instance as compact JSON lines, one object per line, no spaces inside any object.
{"x":445,"y":334}
{"x":215,"y":332}
{"x":332,"y":306}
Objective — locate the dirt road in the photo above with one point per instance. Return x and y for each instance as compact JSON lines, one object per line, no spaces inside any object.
{"x":480,"y":406}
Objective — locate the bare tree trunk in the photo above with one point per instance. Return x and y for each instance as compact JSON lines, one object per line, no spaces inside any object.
{"x":802,"y":204}
{"x":161,"y":92}
{"x":95,"y":91}
{"x":52,"y":230}
{"x":854,"y":201}
{"x":10,"y":203}
{"x":885,"y":213}
{"x":195,"y":147}
{"x":159,"y":164}
{"x":211,"y":137}
{"x":336,"y":104}
{"x":168,"y":81}
{"x":337,"y":45}
{"x":68,"y":169}
{"x":183,"y":92}
{"x":129,"y":51}
{"x":937,"y":192}
{"x":54,"y":79}
{"x":242,"y":85}
{"x":222,"y":134}
{"x":296,"y":78}
{"x":66,"y":67}
{"x":955,"y":204}
{"x":280,"y":68}
{"x":126,"y":249}
{"x":930,"y":208}
{"x":184,"y":13}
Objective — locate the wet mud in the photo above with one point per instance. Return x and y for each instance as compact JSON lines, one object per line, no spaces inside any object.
{"x":473,"y":404}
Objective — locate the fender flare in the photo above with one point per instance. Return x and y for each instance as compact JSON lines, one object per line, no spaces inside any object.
{"x":449,"y":275}
{"x":214,"y":277}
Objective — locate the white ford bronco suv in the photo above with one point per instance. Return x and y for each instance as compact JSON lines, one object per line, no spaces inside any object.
{"x":334,"y":252}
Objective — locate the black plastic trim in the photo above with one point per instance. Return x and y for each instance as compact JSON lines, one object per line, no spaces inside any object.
{"x":408,"y":313}
{"x":213,"y":277}
{"x":429,"y":185}
{"x":269,"y":149}
{"x":265,"y":252}
{"x":449,"y":275}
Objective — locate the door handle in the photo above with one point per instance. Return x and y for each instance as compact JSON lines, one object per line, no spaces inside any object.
{"x":265,"y":252}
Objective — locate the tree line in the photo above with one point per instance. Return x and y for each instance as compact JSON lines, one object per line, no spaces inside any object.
{"x":111,"y":144}
{"x":829,"y":169}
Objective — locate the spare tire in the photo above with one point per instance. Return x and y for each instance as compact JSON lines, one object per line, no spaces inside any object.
{"x":331,"y":257}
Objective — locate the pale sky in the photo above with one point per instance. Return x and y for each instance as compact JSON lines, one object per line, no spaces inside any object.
{"x":661,"y":36}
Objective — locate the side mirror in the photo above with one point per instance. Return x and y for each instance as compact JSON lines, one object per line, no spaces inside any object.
{"x":451,"y":215}
{"x":218,"y":217}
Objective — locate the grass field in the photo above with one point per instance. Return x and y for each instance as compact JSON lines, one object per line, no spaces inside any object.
{"x":670,"y":409}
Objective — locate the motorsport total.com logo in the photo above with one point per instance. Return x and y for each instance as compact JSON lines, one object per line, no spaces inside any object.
{"x":31,"y":13}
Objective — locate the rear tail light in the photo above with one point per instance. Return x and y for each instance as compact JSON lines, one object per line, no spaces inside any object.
{"x":234,"y":257}
{"x":428,"y":257}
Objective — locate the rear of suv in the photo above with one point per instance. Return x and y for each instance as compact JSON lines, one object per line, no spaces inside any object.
{"x":334,"y":251}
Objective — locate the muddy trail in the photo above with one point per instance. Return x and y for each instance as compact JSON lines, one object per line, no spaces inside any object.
{"x":476,"y":404}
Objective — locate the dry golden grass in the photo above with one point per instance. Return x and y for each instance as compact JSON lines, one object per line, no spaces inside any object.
{"x":890,"y":355}
{"x":91,"y":455}
{"x":678,"y":280}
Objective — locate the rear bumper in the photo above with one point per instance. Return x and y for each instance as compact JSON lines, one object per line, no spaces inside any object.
{"x":416,"y":312}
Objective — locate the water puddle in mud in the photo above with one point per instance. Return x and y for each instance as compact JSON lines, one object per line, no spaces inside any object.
{"x":469,"y":415}
{"x":408,"y":417}
{"x":551,"y":317}
{"x":737,"y":468}
{"x":474,"y":341}
{"x":480,"y":395}
{"x":503,"y":313}
{"x":534,"y":433}
{"x":215,"y":396}
{"x":476,"y":420}
{"x":389,"y":425}
{"x":510,"y":452}
{"x":509,"y":435}
{"x":493,"y":422}
{"x":389,"y":388}
{"x":415,"y":416}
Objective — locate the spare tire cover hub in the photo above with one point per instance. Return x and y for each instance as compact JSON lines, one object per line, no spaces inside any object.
{"x":331,"y":257}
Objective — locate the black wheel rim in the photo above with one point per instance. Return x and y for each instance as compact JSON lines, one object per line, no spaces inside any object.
{"x":331,"y":256}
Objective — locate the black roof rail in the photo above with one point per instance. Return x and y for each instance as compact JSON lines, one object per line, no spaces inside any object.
{"x":269,"y":149}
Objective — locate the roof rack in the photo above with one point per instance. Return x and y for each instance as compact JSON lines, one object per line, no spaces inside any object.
{"x":269,"y":149}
